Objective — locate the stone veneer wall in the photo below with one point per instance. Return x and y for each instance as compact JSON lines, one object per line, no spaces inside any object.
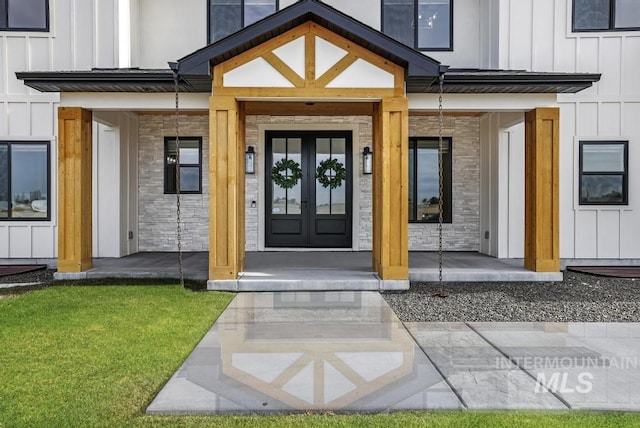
{"x":157,"y":211}
{"x":463,"y":234}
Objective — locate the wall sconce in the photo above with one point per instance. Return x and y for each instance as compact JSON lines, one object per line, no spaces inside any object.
{"x":249,"y":161}
{"x":367,"y":161}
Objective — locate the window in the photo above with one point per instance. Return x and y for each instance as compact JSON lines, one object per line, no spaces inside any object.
{"x":24,"y":15}
{"x":190,"y":164}
{"x":603,"y":173}
{"x":228,"y":16}
{"x":24,"y":181}
{"x":434,"y":18}
{"x":424,"y":180}
{"x":606,"y":15}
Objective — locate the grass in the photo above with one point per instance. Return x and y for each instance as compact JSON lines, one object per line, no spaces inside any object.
{"x":96,"y":356}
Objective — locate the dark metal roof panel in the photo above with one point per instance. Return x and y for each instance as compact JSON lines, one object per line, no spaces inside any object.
{"x":476,"y":81}
{"x":456,"y":81}
{"x":111,"y":80}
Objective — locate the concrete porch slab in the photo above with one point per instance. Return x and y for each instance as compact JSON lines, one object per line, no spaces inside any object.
{"x":318,"y":270}
{"x":473,"y":267}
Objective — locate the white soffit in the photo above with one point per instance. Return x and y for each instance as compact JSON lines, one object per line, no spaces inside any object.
{"x":363,"y":74}
{"x":256,"y":73}
{"x":292,"y":54}
{"x":327,"y":54}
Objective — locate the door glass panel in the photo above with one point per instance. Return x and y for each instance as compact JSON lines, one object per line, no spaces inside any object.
{"x":328,"y":200}
{"x":323,"y":195}
{"x":294,"y":153}
{"x":287,"y":201}
{"x":338,"y":195}
{"x":279,"y":195}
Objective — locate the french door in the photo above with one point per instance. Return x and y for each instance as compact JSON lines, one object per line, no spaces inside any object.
{"x":308,"y":189}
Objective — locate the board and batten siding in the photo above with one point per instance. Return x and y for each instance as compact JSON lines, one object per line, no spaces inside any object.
{"x":536,"y":35}
{"x":82,"y":34}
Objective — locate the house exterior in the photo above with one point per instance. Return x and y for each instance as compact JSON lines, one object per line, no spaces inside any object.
{"x":540,"y":109}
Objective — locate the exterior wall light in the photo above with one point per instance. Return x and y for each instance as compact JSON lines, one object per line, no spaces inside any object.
{"x":249,"y":161}
{"x":367,"y":161}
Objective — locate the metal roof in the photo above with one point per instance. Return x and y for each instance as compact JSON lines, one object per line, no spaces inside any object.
{"x":455,"y":81}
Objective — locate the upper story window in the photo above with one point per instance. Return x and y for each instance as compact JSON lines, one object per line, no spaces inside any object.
{"x":24,"y":15}
{"x":421,"y":24}
{"x":228,"y":16}
{"x":606,"y":15}
{"x":604,"y":169}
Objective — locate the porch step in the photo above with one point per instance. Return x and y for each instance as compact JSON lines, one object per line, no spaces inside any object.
{"x":307,"y":280}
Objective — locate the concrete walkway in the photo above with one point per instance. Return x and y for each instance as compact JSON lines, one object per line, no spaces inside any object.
{"x":348,"y":352}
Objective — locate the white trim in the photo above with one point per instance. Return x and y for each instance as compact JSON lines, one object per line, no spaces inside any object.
{"x":355,"y":207}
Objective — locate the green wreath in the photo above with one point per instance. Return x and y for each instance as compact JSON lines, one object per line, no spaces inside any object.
{"x":339,"y":173}
{"x":278,"y":173}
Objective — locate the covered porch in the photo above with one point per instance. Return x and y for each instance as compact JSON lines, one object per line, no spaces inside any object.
{"x":304,"y":62}
{"x":319,"y":270}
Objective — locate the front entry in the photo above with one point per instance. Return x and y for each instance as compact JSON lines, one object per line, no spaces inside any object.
{"x":308,"y":189}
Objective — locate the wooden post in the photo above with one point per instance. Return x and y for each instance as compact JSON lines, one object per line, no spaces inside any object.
{"x":542,"y":177}
{"x":226,"y":189}
{"x":390,"y":189}
{"x":74,"y":189}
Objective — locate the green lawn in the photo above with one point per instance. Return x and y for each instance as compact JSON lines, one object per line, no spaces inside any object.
{"x":96,"y":356}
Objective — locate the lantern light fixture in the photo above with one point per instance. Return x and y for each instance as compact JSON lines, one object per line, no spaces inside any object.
{"x":249,"y":161}
{"x":367,"y":161}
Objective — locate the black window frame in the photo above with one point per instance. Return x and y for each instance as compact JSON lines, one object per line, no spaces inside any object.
{"x":242,"y":20}
{"x":624,"y":174}
{"x":170,"y":171}
{"x":9,"y":144}
{"x":447,"y":190}
{"x":4,"y":9}
{"x":612,"y":21}
{"x":415,"y":28}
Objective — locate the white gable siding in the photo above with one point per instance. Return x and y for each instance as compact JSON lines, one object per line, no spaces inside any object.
{"x":82,"y":35}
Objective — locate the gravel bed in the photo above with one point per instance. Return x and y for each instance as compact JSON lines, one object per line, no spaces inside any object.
{"x":44,"y":275}
{"x":579,"y":298}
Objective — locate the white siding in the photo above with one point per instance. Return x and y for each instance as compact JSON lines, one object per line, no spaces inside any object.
{"x":77,"y":40}
{"x":537,"y":36}
{"x":169,"y":30}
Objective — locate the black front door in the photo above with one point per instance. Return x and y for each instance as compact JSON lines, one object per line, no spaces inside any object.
{"x":303,"y":209}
